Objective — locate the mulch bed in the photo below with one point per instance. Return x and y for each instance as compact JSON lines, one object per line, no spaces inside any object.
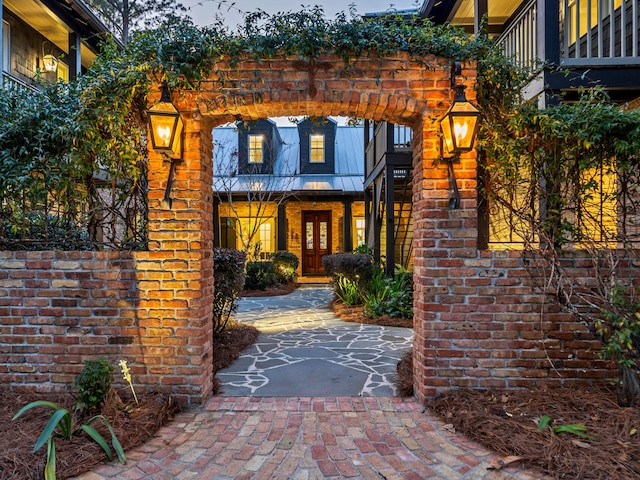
{"x":505,"y":422}
{"x":132,"y":427}
{"x":270,"y":291}
{"x":356,"y":314}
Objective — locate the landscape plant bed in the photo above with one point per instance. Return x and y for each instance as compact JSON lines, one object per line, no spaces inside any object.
{"x":505,"y":422}
{"x":132,"y":427}
{"x":356,"y":314}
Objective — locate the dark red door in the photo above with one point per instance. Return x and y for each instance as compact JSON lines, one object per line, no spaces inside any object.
{"x":316,"y":235}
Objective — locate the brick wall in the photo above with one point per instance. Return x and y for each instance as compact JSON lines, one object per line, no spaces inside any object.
{"x":152,"y":308}
{"x":477,"y":322}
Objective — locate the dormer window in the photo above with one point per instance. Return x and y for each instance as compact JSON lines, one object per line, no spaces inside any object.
{"x":256,"y":148}
{"x":316,"y":148}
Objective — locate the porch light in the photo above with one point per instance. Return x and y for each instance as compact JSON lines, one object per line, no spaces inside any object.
{"x":167,"y":135}
{"x":166,"y":126}
{"x":460,"y":123}
{"x":50,"y":63}
{"x":459,"y":129}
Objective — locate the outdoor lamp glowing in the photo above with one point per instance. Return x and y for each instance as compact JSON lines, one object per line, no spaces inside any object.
{"x":460,"y":123}
{"x":459,"y":127}
{"x":166,"y":126}
{"x":167,"y":134}
{"x":49,"y":63}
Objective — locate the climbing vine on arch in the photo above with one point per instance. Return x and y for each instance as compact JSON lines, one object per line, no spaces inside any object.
{"x":89,"y":152}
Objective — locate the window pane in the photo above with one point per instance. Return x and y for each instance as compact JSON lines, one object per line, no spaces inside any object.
{"x":255,"y":148}
{"x":359,"y":230}
{"x":323,"y":236}
{"x":266,"y":244}
{"x":309,"y":235}
{"x":316,"y":154}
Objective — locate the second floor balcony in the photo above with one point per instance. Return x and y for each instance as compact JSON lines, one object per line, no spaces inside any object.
{"x":574,"y":33}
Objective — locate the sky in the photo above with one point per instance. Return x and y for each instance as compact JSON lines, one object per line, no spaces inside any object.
{"x":204,"y":11}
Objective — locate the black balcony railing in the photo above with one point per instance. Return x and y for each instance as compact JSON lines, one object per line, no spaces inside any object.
{"x":591,"y":33}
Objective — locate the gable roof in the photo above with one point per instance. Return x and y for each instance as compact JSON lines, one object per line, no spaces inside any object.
{"x":349,"y":164}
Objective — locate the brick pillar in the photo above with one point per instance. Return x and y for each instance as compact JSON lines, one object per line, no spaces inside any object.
{"x":176,"y":295}
{"x":443,"y":239}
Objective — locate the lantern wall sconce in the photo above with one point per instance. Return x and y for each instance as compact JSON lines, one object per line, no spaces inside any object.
{"x":459,"y":129}
{"x":166,"y":131}
{"x":49,"y":60}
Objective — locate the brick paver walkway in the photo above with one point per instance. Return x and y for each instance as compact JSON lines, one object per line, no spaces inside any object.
{"x":262,"y":438}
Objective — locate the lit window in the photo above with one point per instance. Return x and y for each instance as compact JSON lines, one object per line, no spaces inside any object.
{"x":359,"y":231}
{"x":256,"y":148}
{"x":257,"y":235}
{"x":266,"y":243}
{"x":63,"y":72}
{"x":316,"y":147}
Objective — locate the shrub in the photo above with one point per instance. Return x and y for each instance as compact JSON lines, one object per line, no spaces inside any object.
{"x":389,"y":296}
{"x":93,"y":383}
{"x":228,"y":265}
{"x":363,"y":248}
{"x":357,"y":267}
{"x":39,"y":231}
{"x":286,"y":264}
{"x":260,"y":275}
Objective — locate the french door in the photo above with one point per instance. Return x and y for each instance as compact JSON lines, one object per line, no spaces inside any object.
{"x":316,"y":230}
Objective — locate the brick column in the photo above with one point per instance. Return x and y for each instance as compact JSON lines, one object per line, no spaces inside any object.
{"x":443,"y":239}
{"x":176,"y":296}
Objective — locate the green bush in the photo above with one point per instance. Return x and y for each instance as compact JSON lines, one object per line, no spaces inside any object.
{"x":363,"y":248}
{"x":37,"y":230}
{"x":260,"y":275}
{"x":357,"y":267}
{"x":389,"y":296}
{"x":93,"y":383}
{"x":286,"y":264}
{"x":228,"y":265}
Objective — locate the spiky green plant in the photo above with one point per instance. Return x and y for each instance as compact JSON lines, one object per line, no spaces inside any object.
{"x":60,"y":425}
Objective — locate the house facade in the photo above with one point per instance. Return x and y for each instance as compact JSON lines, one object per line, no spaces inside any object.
{"x":593,"y":42}
{"x":47,"y":40}
{"x":295,"y":188}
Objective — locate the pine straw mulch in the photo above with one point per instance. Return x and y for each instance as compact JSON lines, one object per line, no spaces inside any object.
{"x":270,"y":291}
{"x":356,"y":314}
{"x":80,"y":454}
{"x":505,"y":422}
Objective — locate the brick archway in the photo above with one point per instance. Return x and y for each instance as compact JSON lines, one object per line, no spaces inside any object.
{"x":398,"y":90}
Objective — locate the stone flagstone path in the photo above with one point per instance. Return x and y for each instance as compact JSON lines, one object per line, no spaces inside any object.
{"x":304,"y":350}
